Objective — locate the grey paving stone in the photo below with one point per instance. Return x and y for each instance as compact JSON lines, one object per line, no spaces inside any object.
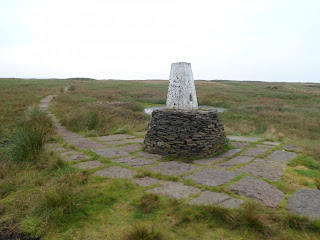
{"x":264,"y":146}
{"x":240,"y":144}
{"x":110,"y":152}
{"x":212,"y":177}
{"x":292,"y":147}
{"x":263,"y":169}
{"x":173,"y":168}
{"x":254,"y":152}
{"x":175,"y":190}
{"x":74,"y":156}
{"x":126,"y":141}
{"x":146,"y":181}
{"x":236,"y":161}
{"x":149,"y":156}
{"x":244,"y":139}
{"x":305,"y":202}
{"x":219,"y":199}
{"x":259,"y":190}
{"x":115,"y":172}
{"x":131,"y":147}
{"x":208,"y":161}
{"x":89,"y":165}
{"x":230,"y":153}
{"x":281,"y":157}
{"x":133,"y":161}
{"x":116,"y":137}
{"x":271,"y":143}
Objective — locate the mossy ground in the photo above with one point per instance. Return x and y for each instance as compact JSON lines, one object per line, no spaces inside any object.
{"x":55,"y":201}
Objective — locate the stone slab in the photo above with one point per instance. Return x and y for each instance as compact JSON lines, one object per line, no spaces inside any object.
{"x":212,"y":177}
{"x":126,"y":141}
{"x":74,"y":156}
{"x":230,"y":153}
{"x":264,"y":146}
{"x":131,"y":147}
{"x":305,"y":202}
{"x":219,"y":199}
{"x":110,"y":152}
{"x":254,"y":152}
{"x":116,"y":137}
{"x":146,"y":181}
{"x":208,"y":161}
{"x":271,"y":143}
{"x":89,"y":165}
{"x":240,"y":144}
{"x":236,"y":161}
{"x":244,"y":139}
{"x":173,"y":168}
{"x":133,"y":161}
{"x":280,"y":156}
{"x":146,"y":155}
{"x":292,"y":147}
{"x":175,"y":190}
{"x":263,"y":169}
{"x":258,"y":190}
{"x":115,"y":172}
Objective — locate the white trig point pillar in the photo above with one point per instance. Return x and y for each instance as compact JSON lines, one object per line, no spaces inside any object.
{"x":181,"y":93}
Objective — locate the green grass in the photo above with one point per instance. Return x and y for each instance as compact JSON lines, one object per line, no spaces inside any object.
{"x":52,"y":200}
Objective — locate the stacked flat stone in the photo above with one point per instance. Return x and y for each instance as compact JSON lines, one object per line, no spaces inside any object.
{"x":185,"y":133}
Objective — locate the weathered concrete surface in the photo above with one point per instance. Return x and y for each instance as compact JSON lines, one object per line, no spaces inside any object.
{"x":292,"y":147}
{"x":175,"y":190}
{"x":115,"y":172}
{"x":110,"y":152}
{"x":173,"y":168}
{"x":230,"y":153}
{"x":208,"y":161}
{"x":263,"y":169}
{"x":244,"y":139}
{"x":74,"y":156}
{"x":114,"y":137}
{"x":151,"y":156}
{"x":281,"y":157}
{"x":218,"y":199}
{"x":181,"y":91}
{"x":305,"y":202}
{"x":212,"y":177}
{"x":236,"y":161}
{"x":133,"y":161}
{"x":271,"y":143}
{"x":259,"y":190}
{"x":131,"y":147}
{"x":146,"y":181}
{"x":89,"y":165}
{"x":254,"y":152}
{"x":240,"y":144}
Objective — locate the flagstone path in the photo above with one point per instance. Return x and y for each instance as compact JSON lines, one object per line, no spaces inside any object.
{"x":245,"y":172}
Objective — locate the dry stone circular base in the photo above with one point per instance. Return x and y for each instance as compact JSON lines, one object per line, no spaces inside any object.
{"x":185,"y":133}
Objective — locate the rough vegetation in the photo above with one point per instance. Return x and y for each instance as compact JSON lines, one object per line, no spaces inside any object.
{"x":53,"y":200}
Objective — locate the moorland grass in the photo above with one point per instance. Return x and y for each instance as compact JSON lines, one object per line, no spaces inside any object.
{"x":27,"y":142}
{"x":52,"y":200}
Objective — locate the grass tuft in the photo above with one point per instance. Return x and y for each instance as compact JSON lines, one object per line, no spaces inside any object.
{"x":148,"y":203}
{"x":143,"y":233}
{"x":29,"y":138}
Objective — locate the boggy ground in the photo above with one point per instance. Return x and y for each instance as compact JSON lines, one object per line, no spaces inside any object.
{"x":98,"y":208}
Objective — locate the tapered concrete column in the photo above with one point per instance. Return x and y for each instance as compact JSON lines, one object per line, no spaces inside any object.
{"x":181,"y":93}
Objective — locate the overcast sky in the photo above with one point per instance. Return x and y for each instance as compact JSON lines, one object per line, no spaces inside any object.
{"x":267,"y":40}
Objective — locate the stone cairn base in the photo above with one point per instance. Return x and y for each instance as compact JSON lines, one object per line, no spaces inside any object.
{"x":185,"y":133}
